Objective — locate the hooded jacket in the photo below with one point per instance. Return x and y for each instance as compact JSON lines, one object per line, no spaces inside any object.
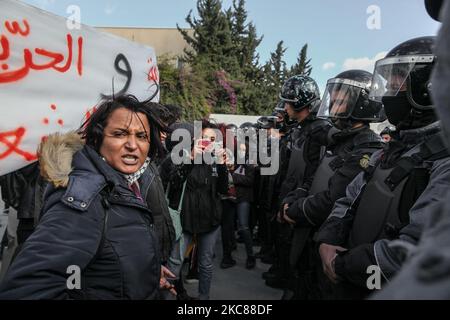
{"x":93,"y":228}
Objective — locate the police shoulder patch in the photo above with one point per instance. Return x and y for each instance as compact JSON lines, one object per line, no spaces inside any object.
{"x":364,"y":162}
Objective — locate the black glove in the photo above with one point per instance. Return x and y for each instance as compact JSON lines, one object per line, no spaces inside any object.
{"x":294,"y":212}
{"x":295,"y":195}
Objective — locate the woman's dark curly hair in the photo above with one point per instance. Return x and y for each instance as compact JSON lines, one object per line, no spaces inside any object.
{"x":92,"y":130}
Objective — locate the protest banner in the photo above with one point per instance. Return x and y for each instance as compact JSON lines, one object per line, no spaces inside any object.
{"x":52,"y":75}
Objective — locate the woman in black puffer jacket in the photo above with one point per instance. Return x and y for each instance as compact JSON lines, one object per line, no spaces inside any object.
{"x":96,"y":238}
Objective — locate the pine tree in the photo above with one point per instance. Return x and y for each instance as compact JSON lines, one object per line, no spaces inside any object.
{"x":278,"y":71}
{"x":212,"y":35}
{"x":250,"y":92}
{"x":244,"y":38}
{"x":223,"y":71}
{"x":268,"y":84}
{"x":239,"y":19}
{"x":302,"y":66}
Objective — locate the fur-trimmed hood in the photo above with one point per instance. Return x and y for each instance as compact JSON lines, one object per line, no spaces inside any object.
{"x":55,"y":157}
{"x":67,"y":163}
{"x":92,"y":203}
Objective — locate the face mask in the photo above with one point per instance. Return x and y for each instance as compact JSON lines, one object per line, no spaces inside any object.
{"x":397,"y":108}
{"x":241,"y":154}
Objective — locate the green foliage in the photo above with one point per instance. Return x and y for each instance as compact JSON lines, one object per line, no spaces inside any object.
{"x":221,"y":72}
{"x":185,"y":87}
{"x":303,"y":63}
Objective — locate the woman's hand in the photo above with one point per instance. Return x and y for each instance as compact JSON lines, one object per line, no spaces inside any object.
{"x":221,"y":156}
{"x":197,"y":150}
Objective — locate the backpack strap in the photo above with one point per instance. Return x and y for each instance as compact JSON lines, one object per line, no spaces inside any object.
{"x":182,"y":195}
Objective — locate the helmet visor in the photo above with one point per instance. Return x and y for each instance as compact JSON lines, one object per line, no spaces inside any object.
{"x":267,"y":122}
{"x":339,"y":99}
{"x":391,"y":75}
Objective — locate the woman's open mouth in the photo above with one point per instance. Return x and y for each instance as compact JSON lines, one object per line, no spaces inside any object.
{"x":130,"y":160}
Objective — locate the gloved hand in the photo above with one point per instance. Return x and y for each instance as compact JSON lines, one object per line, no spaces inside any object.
{"x":293,"y":211}
{"x":295,"y":195}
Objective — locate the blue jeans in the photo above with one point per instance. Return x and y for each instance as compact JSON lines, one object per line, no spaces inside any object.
{"x":206,"y":243}
{"x":243,"y":213}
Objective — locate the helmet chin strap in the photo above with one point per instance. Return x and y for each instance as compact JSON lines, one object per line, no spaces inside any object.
{"x":342,"y":124}
{"x":417,"y":117}
{"x":346,"y":125}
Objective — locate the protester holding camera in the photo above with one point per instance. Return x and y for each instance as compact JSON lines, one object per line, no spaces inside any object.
{"x":201,"y":209}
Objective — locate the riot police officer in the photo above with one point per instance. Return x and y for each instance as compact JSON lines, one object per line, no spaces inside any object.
{"x":270,"y":189}
{"x":390,"y":200}
{"x":425,"y":275}
{"x":301,"y":101}
{"x":346,"y":103}
{"x":266,"y":187}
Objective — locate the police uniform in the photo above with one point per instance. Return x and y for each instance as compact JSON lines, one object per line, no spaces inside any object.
{"x":386,"y":203}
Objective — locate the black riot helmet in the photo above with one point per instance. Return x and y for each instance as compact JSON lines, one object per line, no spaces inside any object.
{"x":433,"y":8}
{"x":246,"y":125}
{"x":302,"y":92}
{"x":232,"y":127}
{"x":346,"y":99}
{"x":249,"y":129}
{"x":267,"y":122}
{"x":401,"y":80}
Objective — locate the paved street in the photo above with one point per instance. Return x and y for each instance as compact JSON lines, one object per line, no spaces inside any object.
{"x":238,"y":283}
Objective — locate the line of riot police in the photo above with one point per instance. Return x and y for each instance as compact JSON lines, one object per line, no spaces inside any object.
{"x":343,"y":199}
